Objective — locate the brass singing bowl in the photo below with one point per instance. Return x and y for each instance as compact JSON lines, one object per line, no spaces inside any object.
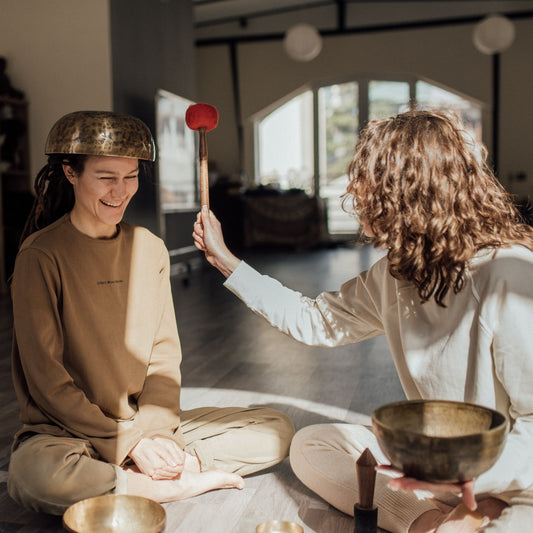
{"x":115,"y":514}
{"x":279,"y":526}
{"x":438,"y":440}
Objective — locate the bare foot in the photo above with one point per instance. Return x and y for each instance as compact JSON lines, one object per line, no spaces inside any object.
{"x":462,"y":520}
{"x":459,"y":520}
{"x":492,"y":507}
{"x":190,"y":484}
{"x":194,"y":483}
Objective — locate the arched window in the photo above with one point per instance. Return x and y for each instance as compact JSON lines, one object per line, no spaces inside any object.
{"x":330,"y":117}
{"x":284,"y":154}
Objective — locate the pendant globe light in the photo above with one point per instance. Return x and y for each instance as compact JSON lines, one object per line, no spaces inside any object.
{"x":493,"y":34}
{"x":302,"y":42}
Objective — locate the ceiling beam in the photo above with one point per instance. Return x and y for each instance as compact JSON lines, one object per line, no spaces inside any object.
{"x":365,"y":29}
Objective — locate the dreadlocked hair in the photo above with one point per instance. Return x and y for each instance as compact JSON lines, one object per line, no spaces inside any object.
{"x":54,"y":195}
{"x":427,"y":198}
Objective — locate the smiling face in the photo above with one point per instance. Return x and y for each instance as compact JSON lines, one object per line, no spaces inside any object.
{"x":102,"y":192}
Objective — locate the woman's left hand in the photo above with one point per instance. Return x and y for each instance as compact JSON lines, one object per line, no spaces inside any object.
{"x":464,"y":489}
{"x":159,"y":458}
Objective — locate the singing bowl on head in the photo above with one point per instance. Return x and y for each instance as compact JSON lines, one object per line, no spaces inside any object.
{"x":114,"y":513}
{"x":438,"y":440}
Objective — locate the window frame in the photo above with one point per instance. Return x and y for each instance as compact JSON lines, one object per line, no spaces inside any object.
{"x":363,"y":80}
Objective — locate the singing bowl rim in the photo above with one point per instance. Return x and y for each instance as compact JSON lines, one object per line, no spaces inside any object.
{"x":501,"y":420}
{"x":291,"y":527}
{"x":155,"y":527}
{"x":432,"y":449}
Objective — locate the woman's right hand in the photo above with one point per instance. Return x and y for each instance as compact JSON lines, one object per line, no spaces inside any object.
{"x":159,"y":458}
{"x":209,"y":239}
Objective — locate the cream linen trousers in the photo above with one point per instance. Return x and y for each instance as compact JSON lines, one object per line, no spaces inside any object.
{"x":323,"y":457}
{"x":49,"y":473}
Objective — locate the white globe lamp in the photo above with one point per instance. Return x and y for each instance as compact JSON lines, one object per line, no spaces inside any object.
{"x":302,"y":42}
{"x":493,"y":34}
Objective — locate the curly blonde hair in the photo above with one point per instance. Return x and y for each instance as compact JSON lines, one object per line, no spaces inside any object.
{"x":421,"y":193}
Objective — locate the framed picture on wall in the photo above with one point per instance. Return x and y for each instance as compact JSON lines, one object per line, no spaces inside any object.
{"x":177,"y":159}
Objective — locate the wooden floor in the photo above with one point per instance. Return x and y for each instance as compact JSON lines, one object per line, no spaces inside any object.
{"x":232,"y":357}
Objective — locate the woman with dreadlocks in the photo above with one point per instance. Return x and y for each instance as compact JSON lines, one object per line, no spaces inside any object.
{"x":454,"y":297}
{"x":96,"y":354}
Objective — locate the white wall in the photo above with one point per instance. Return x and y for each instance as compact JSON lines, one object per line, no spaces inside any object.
{"x":444,"y":54}
{"x":58,"y":53}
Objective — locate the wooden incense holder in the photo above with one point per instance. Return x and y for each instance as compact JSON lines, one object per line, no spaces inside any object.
{"x":365,"y":514}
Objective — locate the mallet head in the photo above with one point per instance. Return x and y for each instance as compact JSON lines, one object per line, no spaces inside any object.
{"x":200,"y":116}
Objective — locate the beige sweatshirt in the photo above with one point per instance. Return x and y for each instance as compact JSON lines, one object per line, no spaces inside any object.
{"x":96,"y":349}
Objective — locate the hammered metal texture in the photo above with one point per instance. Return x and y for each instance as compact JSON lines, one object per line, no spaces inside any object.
{"x":101,"y":133}
{"x":438,"y":440}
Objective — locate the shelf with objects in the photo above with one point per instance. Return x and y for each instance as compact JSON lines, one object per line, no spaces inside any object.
{"x":15,"y":196}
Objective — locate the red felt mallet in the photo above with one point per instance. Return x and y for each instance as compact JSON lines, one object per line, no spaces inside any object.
{"x":202,"y":118}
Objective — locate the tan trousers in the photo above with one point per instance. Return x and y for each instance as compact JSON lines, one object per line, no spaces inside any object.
{"x":323,"y":457}
{"x":48,"y":473}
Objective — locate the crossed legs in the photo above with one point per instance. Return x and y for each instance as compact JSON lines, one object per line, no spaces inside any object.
{"x":48,"y":473}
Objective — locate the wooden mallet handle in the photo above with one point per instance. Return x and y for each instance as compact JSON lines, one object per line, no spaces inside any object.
{"x":204,"y":174}
{"x":202,"y":118}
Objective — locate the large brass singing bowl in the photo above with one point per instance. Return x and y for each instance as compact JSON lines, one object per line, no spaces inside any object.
{"x":115,"y":514}
{"x":437,"y":440}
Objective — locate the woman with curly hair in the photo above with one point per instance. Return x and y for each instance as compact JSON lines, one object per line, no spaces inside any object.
{"x":454,"y":297}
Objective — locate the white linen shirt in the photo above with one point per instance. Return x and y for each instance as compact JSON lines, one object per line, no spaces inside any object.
{"x":476,"y":349}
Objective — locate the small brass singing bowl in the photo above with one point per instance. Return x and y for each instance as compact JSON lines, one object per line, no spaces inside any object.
{"x":114,"y":513}
{"x":279,"y":526}
{"x":438,"y":440}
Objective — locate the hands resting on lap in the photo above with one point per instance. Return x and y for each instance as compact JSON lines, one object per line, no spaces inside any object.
{"x":159,"y":458}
